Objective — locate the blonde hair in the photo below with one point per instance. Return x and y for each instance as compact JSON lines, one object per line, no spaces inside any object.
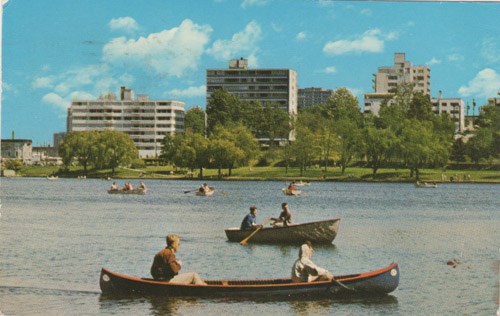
{"x":171,"y":238}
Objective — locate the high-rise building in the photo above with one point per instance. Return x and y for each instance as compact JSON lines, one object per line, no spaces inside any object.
{"x":387,"y":79}
{"x":277,"y":87}
{"x":312,"y":96}
{"x":146,"y":121}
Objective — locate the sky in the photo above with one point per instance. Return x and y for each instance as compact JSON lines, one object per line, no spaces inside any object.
{"x":62,"y":50}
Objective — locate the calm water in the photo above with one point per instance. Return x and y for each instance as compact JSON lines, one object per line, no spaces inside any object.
{"x":56,"y":235}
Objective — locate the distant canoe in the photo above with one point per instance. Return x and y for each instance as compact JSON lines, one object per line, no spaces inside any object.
{"x":374,"y":283}
{"x":303,"y":183}
{"x":135,"y":191}
{"x":287,"y":191}
{"x":419,"y":184}
{"x":52,"y":177}
{"x":316,"y":232}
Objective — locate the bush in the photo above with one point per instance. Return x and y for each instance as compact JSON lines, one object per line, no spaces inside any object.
{"x":138,"y":163}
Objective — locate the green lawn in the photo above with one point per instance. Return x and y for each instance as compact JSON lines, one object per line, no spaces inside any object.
{"x":274,"y":173}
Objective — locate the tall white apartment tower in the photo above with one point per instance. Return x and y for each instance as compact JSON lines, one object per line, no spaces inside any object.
{"x":146,"y":121}
{"x":266,"y":86}
{"x":387,"y":79}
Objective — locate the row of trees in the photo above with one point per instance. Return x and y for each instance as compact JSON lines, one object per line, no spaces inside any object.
{"x":405,"y":133}
{"x":97,"y":149}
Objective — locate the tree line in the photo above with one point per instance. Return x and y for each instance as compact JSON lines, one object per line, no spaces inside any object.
{"x":232,"y":133}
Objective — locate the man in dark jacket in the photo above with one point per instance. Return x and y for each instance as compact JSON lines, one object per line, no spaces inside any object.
{"x":166,"y":267}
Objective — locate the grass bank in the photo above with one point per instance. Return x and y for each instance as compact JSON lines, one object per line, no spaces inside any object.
{"x":353,"y":174}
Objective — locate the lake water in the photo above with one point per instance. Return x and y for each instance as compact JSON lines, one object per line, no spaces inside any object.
{"x":56,"y":235}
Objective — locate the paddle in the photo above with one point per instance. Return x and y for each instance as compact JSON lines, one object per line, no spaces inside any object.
{"x":343,"y":285}
{"x":189,"y":191}
{"x":244,"y":241}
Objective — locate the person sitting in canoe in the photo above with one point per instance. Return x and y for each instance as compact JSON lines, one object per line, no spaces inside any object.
{"x":166,"y":267}
{"x":128,"y":187}
{"x":142,"y":186}
{"x":114,"y":187}
{"x":285,"y":217}
{"x":291,"y":187}
{"x":304,"y":270}
{"x":250,"y":220}
{"x":203,"y":188}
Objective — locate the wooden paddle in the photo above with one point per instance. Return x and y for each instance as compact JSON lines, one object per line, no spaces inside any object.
{"x":244,"y":241}
{"x":343,"y":285}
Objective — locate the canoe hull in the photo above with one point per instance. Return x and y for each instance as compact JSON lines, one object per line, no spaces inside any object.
{"x":135,"y":191}
{"x":373,"y":283}
{"x":291,"y":192}
{"x":316,"y":232}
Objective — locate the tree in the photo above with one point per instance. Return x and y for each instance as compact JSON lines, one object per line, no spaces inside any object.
{"x":240,"y":147}
{"x":117,"y":148}
{"x":349,"y":141}
{"x":195,"y":120}
{"x":379,"y":145}
{"x":481,"y":145}
{"x":192,"y":152}
{"x":78,"y":145}
{"x":458,"y":150}
{"x":273,"y":123}
{"x":222,"y":108}
{"x":303,"y":149}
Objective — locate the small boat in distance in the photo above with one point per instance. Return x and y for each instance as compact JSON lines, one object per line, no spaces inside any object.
{"x":287,"y":191}
{"x":206,"y":192}
{"x":302,"y":183}
{"x":134,"y":191}
{"x":373,"y":283}
{"x":419,"y":184}
{"x":322,"y":232}
{"x":52,"y":177}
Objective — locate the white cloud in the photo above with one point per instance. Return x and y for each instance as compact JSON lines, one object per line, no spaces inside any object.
{"x":330,"y":70}
{"x":249,"y":3}
{"x":433,"y":61}
{"x":188,"y":92}
{"x":56,"y":100}
{"x":244,"y":42}
{"x":489,"y":50}
{"x":301,"y":36}
{"x":43,"y":82}
{"x":81,"y":95}
{"x":277,"y":27}
{"x":372,"y":41}
{"x":169,"y":52}
{"x":127,"y":24}
{"x":485,"y":84}
{"x":455,"y":57}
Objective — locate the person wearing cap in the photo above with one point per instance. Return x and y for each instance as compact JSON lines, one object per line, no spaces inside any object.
{"x":250,"y":220}
{"x":285,"y":217}
{"x":166,"y":267}
{"x":304,"y":270}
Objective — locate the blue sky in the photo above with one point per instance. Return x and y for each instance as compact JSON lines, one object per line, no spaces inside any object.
{"x":58,"y":50}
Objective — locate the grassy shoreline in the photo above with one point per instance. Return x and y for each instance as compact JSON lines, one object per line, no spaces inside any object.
{"x":354,"y":174}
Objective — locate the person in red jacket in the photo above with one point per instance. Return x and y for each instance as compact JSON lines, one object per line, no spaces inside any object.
{"x":166,"y":267}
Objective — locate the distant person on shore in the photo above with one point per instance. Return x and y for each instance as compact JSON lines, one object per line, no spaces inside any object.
{"x":304,"y":270}
{"x":166,"y":267}
{"x":285,"y":217}
{"x":250,"y":220}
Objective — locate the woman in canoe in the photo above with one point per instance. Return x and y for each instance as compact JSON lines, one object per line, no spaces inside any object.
{"x":304,"y":270}
{"x":285,"y":217}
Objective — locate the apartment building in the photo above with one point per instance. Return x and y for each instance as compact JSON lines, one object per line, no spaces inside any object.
{"x":266,"y":86}
{"x":308,"y":97}
{"x":146,"y":121}
{"x":387,"y":79}
{"x":454,"y":107}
